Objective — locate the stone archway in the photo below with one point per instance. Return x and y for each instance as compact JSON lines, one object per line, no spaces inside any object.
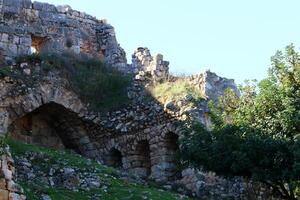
{"x":51,"y":125}
{"x":164,"y":150}
{"x":61,"y":112}
{"x":171,"y":149}
{"x":139,"y":159}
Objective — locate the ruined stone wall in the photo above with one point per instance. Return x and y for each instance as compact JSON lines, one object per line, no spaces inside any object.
{"x":147,"y":66}
{"x":144,"y":133}
{"x":9,"y":189}
{"x":211,"y":85}
{"x":25,"y":25}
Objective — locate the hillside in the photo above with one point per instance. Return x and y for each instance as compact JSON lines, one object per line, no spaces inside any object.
{"x":80,"y":178}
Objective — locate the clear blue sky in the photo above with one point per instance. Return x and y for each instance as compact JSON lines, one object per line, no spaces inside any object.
{"x":234,"y":38}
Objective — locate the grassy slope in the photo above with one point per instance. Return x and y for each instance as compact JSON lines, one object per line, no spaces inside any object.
{"x":174,"y":91}
{"x":117,"y":189}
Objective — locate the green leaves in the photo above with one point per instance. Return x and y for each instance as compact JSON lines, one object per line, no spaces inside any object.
{"x":256,"y":135}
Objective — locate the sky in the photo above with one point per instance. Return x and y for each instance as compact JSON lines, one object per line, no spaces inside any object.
{"x":234,"y":38}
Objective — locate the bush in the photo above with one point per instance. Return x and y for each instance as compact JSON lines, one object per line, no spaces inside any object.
{"x":256,"y":135}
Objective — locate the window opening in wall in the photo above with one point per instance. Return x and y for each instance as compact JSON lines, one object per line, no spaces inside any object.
{"x":37,"y":43}
{"x":114,"y":158}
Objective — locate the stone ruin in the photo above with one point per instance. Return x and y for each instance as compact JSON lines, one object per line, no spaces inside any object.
{"x":27,"y":27}
{"x":141,"y":138}
{"x":211,"y":85}
{"x":151,"y":67}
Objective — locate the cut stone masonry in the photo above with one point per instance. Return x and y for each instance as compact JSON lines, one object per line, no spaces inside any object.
{"x":27,"y":27}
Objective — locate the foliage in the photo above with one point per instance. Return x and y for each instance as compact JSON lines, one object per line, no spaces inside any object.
{"x":256,"y":135}
{"x":275,"y":109}
{"x":117,"y":188}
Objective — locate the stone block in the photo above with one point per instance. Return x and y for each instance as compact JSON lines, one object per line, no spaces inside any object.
{"x":7,"y":174}
{"x":12,"y":3}
{"x":12,"y":49}
{"x":2,"y":184}
{"x":84,"y":140}
{"x":16,"y":40}
{"x":4,"y":194}
{"x":11,"y":12}
{"x":64,"y":9}
{"x":4,"y":37}
{"x":15,"y":196}
{"x":44,"y":7}
{"x":27,"y":4}
{"x":31,"y":15}
{"x":23,"y":50}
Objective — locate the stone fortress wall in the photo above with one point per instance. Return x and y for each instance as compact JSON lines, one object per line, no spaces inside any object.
{"x":26,"y":25}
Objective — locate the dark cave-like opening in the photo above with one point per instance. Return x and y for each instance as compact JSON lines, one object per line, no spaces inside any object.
{"x":172,"y":148}
{"x":51,"y":125}
{"x":114,"y":158}
{"x":143,"y":160}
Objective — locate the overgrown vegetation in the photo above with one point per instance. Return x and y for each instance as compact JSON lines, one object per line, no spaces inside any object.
{"x":98,"y":84}
{"x":173,"y":91}
{"x":115,"y":187}
{"x":256,"y":135}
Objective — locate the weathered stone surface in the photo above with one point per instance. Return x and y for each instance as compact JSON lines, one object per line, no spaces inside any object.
{"x":147,"y":65}
{"x":211,"y":85}
{"x":9,"y":190}
{"x":4,"y":194}
{"x":56,"y":29}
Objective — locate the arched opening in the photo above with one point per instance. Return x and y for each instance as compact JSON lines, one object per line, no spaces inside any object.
{"x":114,"y":158}
{"x":51,"y":125}
{"x":140,"y":161}
{"x":37,"y":44}
{"x":172,"y":147}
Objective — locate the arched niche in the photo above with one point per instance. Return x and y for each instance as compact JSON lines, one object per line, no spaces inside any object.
{"x":140,"y":161}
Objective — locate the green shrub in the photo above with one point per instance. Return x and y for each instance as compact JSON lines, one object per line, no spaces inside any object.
{"x":5,"y":71}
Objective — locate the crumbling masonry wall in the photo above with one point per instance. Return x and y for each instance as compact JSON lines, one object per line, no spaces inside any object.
{"x":27,"y":27}
{"x":141,"y":133}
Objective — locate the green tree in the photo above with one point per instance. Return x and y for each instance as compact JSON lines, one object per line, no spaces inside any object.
{"x":257,"y":134}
